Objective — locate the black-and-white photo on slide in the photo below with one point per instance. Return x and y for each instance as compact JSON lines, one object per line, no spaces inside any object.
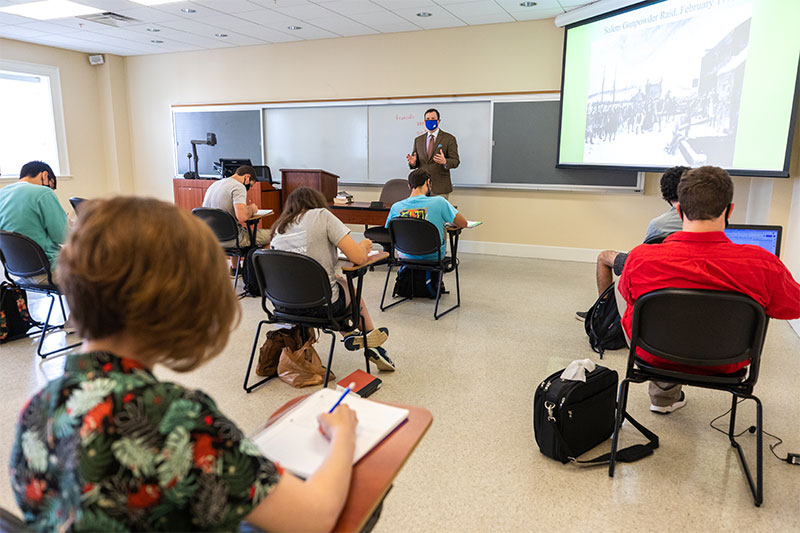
{"x":668,"y":93}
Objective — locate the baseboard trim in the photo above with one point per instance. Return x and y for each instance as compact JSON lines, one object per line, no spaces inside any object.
{"x":533,"y":251}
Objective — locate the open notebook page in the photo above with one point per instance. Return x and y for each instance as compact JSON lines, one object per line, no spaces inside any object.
{"x":296,"y":443}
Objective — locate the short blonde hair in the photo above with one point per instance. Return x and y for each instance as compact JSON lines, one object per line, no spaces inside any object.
{"x":151,"y":271}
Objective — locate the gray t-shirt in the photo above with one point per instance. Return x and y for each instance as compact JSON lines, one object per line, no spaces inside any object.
{"x":315,"y":234}
{"x":665,"y":223}
{"x":223,"y":194}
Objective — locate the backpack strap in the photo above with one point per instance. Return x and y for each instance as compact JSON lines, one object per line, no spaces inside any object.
{"x":626,"y":455}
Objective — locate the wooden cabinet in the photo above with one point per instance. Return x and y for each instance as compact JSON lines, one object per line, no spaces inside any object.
{"x":189,"y":194}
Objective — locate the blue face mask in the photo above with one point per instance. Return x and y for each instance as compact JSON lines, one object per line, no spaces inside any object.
{"x":431,"y":124}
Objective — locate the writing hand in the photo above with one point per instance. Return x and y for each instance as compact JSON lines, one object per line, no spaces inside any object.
{"x":439,"y":158}
{"x":412,"y":158}
{"x":341,"y":419}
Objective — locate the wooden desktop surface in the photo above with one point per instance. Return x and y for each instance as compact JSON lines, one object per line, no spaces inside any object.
{"x":374,"y":473}
{"x":361,"y":213}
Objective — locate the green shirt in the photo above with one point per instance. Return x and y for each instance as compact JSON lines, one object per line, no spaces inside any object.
{"x":34,"y":211}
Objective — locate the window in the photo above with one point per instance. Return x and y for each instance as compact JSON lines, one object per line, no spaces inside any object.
{"x":31,"y":118}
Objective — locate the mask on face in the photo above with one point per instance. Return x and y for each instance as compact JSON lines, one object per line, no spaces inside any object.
{"x":248,"y":185}
{"x":431,"y":124}
{"x":428,"y":192}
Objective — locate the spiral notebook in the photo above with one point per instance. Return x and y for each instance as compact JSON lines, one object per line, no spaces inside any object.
{"x":297,"y":445}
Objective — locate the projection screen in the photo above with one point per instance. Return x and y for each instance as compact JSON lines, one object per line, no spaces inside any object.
{"x":682,"y":82}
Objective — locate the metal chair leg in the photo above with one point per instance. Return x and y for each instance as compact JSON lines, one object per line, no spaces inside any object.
{"x":386,"y":285}
{"x":63,"y":311}
{"x":236,"y":275}
{"x":622,"y":402}
{"x":250,"y":388}
{"x":47,"y":327}
{"x":757,"y":487}
{"x":437,"y":315}
{"x":330,"y":359}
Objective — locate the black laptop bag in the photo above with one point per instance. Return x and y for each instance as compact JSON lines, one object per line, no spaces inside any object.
{"x":572,"y":417}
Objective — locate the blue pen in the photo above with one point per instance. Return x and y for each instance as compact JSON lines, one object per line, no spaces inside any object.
{"x":345,"y":393}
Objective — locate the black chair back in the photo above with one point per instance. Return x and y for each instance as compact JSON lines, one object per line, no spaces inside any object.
{"x":75,"y":201}
{"x":657,"y":239}
{"x":395,"y":190}
{"x":291,"y":280}
{"x":699,"y":327}
{"x":22,"y":256}
{"x":415,"y":236}
{"x":221,"y":223}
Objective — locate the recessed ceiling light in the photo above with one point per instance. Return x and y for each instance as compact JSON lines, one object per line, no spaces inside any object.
{"x":294,"y":27}
{"x":220,"y":35}
{"x":527,"y":4}
{"x":50,"y":9}
{"x":154,"y":30}
{"x":188,"y":10}
{"x":156,"y":41}
{"x":423,"y":14}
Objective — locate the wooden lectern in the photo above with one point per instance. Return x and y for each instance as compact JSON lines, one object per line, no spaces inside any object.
{"x":321,"y":180}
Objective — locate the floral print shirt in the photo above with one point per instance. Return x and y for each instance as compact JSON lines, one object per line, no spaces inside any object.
{"x":107,"y":447}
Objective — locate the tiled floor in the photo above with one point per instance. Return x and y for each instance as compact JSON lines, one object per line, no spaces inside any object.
{"x":478,"y":468}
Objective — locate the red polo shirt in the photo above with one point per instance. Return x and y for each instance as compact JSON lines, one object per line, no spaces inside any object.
{"x":690,"y":260}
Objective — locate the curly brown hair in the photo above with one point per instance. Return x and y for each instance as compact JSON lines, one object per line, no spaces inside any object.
{"x":153,"y":272}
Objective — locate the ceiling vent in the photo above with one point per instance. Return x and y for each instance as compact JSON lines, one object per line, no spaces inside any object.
{"x":111,"y":19}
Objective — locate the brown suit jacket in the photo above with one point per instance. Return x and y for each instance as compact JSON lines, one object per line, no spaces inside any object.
{"x":440,"y":174}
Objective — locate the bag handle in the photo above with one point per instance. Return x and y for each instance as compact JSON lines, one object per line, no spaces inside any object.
{"x":626,"y":455}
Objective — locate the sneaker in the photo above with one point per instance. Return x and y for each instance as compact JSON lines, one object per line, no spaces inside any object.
{"x":667,"y":409}
{"x":581,"y":315}
{"x":355,"y":340}
{"x":381,"y":359}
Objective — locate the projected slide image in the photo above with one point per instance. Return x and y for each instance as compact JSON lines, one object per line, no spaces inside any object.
{"x":667,"y":92}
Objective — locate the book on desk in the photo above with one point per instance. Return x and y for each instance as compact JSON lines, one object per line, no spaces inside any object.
{"x":294,"y":441}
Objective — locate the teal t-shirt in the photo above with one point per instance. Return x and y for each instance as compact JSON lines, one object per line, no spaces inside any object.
{"x":434,"y":209}
{"x":34,"y":211}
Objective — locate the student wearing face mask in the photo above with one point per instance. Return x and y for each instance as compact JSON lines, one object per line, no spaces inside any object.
{"x":421,"y":204}
{"x":437,"y":152}
{"x":230,"y":195}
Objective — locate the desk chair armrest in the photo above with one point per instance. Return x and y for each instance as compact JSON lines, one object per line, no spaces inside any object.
{"x":352,"y":269}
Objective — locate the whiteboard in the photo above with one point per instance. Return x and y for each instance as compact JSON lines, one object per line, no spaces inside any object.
{"x":393,"y":127}
{"x":329,"y":138}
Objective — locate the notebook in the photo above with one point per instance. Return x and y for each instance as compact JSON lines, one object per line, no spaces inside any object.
{"x":767,"y":237}
{"x":264,"y":212}
{"x":296,"y":444}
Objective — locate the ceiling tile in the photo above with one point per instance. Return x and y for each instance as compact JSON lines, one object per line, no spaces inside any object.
{"x":229,"y":6}
{"x":440,"y":17}
{"x":513,"y":7}
{"x":238,"y":39}
{"x":537,"y":14}
{"x":6,"y":18}
{"x":352,"y":7}
{"x":76,"y":24}
{"x":495,"y":18}
{"x":303,"y":12}
{"x":245,"y":27}
{"x":281,"y":3}
{"x":273,"y":19}
{"x":340,"y":25}
{"x":381,"y":18}
{"x":109,"y":5}
{"x":483,"y":7}
{"x":396,"y":5}
{"x":175,"y":9}
{"x":16,"y":32}
{"x":148,"y":14}
{"x":45,"y":27}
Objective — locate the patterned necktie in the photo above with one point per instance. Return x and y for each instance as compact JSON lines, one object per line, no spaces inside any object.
{"x":430,"y":145}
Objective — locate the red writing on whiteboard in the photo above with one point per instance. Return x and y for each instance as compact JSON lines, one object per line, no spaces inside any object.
{"x":404,"y":117}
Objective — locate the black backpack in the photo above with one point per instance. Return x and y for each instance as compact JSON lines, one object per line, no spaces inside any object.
{"x":249,"y":275}
{"x":415,"y":283}
{"x":15,"y":321}
{"x":603,"y":324}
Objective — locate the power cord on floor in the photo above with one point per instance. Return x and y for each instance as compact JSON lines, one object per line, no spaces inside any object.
{"x":791,"y":458}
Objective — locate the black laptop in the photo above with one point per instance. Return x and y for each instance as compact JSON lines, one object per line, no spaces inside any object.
{"x":767,"y":237}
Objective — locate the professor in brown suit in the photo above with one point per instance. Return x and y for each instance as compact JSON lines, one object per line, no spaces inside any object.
{"x":437,"y":152}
